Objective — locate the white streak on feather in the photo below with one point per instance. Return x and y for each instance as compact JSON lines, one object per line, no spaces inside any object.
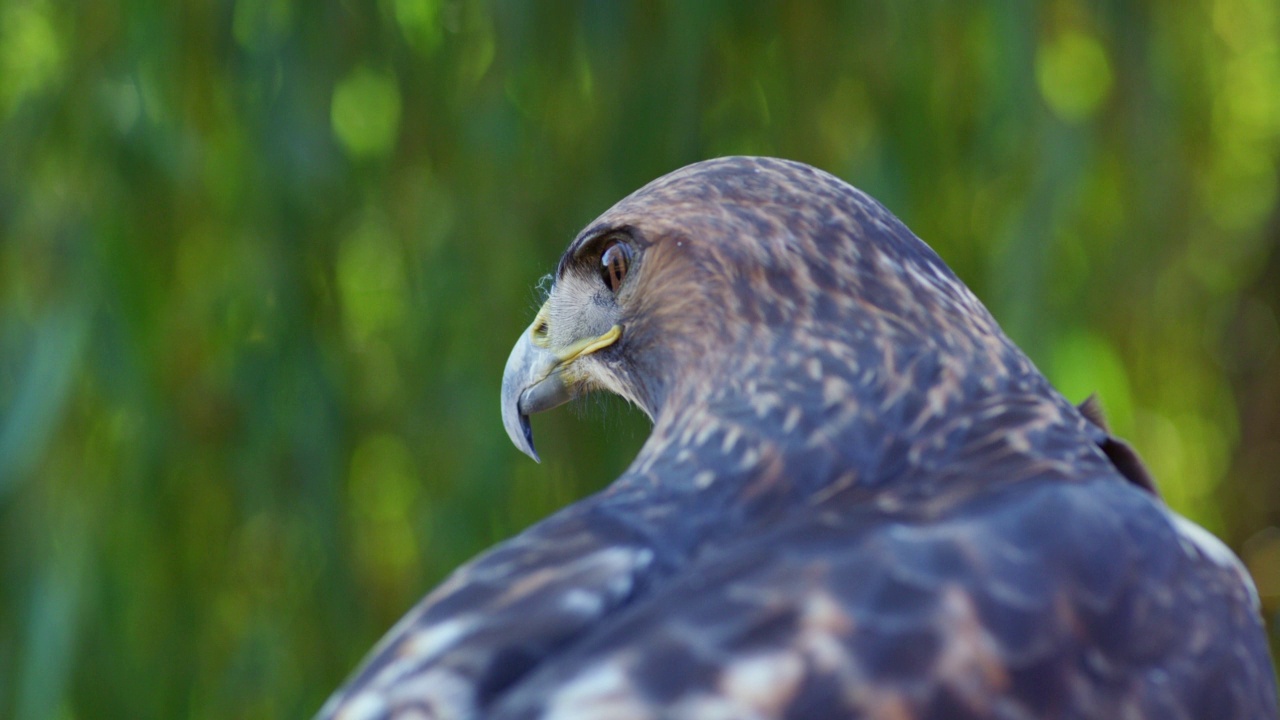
{"x":814,"y":368}
{"x":792,"y":419}
{"x":582,"y":602}
{"x":365,"y":706}
{"x":730,"y":439}
{"x":429,"y":642}
{"x":765,"y":683}
{"x":705,"y":432}
{"x":834,"y":391}
{"x":1195,"y":538}
{"x":603,"y":691}
{"x":445,"y":693}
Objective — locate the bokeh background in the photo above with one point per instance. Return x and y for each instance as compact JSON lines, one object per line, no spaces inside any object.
{"x":261,"y":263}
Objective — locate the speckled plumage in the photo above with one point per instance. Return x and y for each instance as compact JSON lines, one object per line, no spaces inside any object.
{"x":859,"y":500}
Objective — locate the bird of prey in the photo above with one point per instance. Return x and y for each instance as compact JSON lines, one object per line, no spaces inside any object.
{"x":859,"y":500}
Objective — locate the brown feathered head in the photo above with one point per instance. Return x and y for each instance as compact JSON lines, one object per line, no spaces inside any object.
{"x":739,"y":270}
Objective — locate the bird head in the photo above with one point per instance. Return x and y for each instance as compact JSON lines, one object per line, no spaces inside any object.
{"x":717,"y":270}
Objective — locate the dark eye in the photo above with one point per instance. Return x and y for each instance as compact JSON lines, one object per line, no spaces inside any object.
{"x":614,"y":262}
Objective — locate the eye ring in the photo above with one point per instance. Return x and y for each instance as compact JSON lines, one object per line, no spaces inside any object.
{"x":615,"y":261}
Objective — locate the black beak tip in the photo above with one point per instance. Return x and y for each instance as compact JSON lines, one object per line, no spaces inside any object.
{"x":528,"y":437}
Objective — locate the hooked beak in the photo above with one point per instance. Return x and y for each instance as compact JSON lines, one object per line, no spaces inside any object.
{"x":534,"y":379}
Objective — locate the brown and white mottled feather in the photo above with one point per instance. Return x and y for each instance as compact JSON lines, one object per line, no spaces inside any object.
{"x":859,"y":500}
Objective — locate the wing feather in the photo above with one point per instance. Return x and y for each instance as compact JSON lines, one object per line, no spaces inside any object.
{"x":495,"y":619}
{"x":1044,"y":600}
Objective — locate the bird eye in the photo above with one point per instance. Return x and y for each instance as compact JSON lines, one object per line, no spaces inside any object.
{"x":614,"y":262}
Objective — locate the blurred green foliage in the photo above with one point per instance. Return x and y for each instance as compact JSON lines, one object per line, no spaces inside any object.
{"x":261,"y":264}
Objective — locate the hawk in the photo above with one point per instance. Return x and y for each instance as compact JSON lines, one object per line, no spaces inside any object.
{"x":859,"y":500}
